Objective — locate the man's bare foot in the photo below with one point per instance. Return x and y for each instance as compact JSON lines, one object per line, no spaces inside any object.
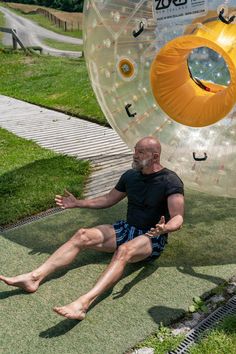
{"x":74,"y":311}
{"x":28,"y":282}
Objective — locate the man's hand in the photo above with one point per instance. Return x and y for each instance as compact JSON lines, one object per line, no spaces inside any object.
{"x":158,"y":230}
{"x":66,"y":201}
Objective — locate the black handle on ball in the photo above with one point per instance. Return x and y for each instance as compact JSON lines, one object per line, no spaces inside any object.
{"x":199,"y":158}
{"x":141,"y":28}
{"x":223,"y":19}
{"x":127,"y":107}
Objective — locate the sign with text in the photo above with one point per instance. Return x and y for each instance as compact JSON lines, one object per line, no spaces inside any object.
{"x":170,"y":9}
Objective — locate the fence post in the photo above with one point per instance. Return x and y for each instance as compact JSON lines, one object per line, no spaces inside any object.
{"x":14,"y":42}
{"x":17,"y":39}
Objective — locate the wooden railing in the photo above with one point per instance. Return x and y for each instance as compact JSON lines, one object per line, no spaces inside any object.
{"x":15,"y":38}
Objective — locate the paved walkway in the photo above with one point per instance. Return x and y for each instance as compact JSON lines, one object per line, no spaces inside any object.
{"x":72,"y":136}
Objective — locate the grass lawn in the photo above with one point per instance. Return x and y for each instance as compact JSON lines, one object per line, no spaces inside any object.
{"x":221,"y":340}
{"x":63,"y":46}
{"x":57,"y":83}
{"x":30,"y":176}
{"x":162,"y":341}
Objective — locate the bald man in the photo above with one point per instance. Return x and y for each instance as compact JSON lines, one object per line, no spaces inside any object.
{"x":155,"y":208}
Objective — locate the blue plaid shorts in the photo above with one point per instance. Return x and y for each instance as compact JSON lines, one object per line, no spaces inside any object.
{"x":125,"y":233}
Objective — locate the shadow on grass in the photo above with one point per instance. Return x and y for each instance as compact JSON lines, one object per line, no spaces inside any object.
{"x":59,"y":329}
{"x":204,"y":208}
{"x":146,"y":269}
{"x":7,"y":294}
{"x":190,"y":271}
{"x":159,"y":313}
{"x":66,"y":325}
{"x":32,"y":188}
{"x":207,"y":238}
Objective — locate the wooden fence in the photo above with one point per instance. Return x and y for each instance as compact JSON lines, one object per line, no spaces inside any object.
{"x":65,"y":20}
{"x":15,"y":38}
{"x":63,"y":24}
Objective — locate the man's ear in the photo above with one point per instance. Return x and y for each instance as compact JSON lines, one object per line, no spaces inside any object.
{"x":156,"y":156}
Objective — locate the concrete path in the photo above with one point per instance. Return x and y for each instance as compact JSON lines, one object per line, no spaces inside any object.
{"x":71,"y":136}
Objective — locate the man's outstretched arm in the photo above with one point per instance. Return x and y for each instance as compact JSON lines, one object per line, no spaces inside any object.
{"x":105,"y":201}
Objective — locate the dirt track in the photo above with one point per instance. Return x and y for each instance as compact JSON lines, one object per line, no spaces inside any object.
{"x":32,"y":34}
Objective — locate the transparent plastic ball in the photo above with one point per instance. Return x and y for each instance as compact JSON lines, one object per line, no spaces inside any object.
{"x":168,"y":69}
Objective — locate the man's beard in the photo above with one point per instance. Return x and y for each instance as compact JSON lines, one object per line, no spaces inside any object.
{"x":140,"y":165}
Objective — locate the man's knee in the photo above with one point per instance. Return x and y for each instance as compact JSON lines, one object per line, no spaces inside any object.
{"x":124,"y":253}
{"x":81,"y":238}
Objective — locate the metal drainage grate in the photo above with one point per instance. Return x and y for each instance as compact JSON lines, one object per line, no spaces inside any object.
{"x":31,"y":219}
{"x":209,"y":322}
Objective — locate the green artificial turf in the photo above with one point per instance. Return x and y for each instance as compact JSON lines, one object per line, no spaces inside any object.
{"x":197,"y":259}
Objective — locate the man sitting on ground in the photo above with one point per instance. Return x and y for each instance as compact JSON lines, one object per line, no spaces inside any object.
{"x":155,"y":208}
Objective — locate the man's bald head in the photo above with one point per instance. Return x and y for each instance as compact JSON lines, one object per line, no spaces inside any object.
{"x":147,"y":153}
{"x":150,"y":143}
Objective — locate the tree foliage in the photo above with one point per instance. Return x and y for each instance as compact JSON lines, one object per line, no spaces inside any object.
{"x":64,"y":5}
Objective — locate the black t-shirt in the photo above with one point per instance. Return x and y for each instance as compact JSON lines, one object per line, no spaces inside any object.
{"x":147,"y":195}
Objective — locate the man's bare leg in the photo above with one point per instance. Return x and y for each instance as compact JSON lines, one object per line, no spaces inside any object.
{"x":102,"y":237}
{"x":132,"y":251}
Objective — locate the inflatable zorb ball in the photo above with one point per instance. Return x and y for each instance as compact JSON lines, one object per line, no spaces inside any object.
{"x":168,"y":69}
